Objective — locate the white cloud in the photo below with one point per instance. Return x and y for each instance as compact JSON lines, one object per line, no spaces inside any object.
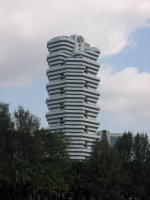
{"x":125,"y":94}
{"x":27,"y":25}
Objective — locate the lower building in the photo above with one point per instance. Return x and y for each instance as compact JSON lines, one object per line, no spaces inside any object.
{"x":111,"y":137}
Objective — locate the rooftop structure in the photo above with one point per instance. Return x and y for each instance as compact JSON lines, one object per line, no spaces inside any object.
{"x":72,"y":92}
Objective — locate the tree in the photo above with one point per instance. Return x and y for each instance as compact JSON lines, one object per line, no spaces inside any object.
{"x":124,"y":146}
{"x":77,"y":179}
{"x":134,"y":151}
{"x":38,"y":157}
{"x":55,"y":146}
{"x":6,"y":134}
{"x":141,"y":149}
{"x":147,"y":178}
{"x":105,"y":170}
{"x":50,"y":174}
{"x":26,"y":124}
{"x":7,"y":148}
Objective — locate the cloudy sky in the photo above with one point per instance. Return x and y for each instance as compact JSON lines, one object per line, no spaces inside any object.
{"x":119,"y":28}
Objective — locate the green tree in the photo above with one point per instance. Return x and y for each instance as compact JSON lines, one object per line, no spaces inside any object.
{"x":77,"y":179}
{"x":39,"y":158}
{"x":26,"y":124}
{"x":147,"y":178}
{"x":55,"y":146}
{"x":16,"y":150}
{"x":141,"y":149}
{"x":125,"y":146}
{"x":6,"y":134}
{"x":105,"y":170}
{"x":134,"y":151}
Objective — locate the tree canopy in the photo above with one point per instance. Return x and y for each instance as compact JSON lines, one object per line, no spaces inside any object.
{"x":35,"y":165}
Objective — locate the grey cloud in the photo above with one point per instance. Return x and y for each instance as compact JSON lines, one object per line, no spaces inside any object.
{"x":126,"y":91}
{"x":27,"y":25}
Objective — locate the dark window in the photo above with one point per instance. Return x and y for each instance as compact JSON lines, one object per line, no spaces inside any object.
{"x":86,"y":99}
{"x":86,"y":70}
{"x":61,"y":121}
{"x":62,"y":76}
{"x":85,"y":115}
{"x":62,"y":91}
{"x":62,"y":106}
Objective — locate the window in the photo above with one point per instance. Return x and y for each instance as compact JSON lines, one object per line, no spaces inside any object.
{"x":85,"y":145}
{"x":62,"y":91}
{"x":61,"y":121}
{"x":86,"y":99}
{"x":62,"y":106}
{"x":86,"y":70}
{"x":86,"y":84}
{"x":86,"y":115}
{"x":85,"y":129}
{"x":62,"y":76}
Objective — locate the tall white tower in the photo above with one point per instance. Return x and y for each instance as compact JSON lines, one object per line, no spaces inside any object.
{"x":72,"y":92}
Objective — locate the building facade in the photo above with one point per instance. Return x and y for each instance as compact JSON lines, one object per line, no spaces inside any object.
{"x":72,"y":92}
{"x":111,"y":137}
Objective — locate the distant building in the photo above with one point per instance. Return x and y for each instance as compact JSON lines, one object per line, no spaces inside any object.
{"x":111,"y":137}
{"x":72,"y":92}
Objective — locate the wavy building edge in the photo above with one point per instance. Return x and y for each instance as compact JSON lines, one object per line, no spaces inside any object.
{"x":72,"y":91}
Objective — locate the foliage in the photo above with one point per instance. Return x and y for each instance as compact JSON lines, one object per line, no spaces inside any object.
{"x":134,"y":151}
{"x":25,"y":122}
{"x":106,"y":170}
{"x":6,"y":134}
{"x":34,"y":164}
{"x":32,"y":160}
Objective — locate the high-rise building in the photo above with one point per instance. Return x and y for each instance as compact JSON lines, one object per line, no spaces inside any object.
{"x":72,"y":92}
{"x":111,"y":137}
